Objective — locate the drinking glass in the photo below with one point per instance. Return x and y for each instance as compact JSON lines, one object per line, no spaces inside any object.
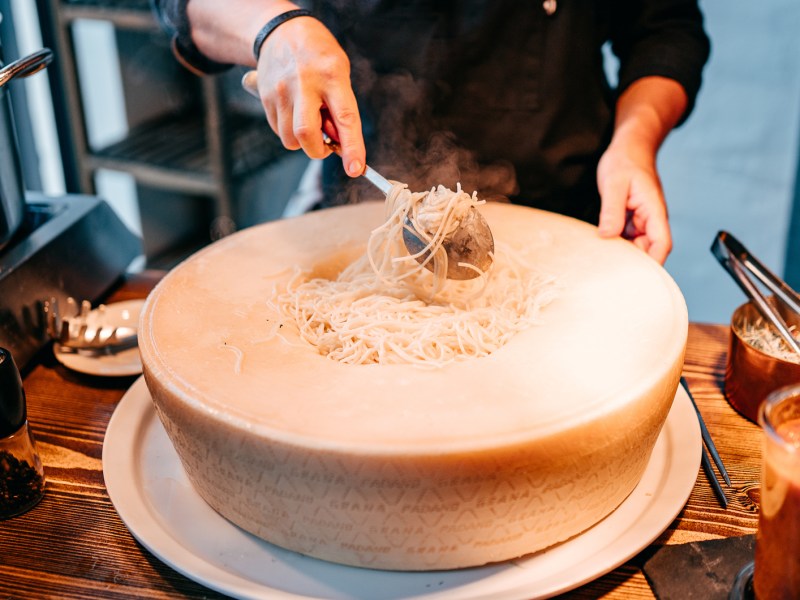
{"x":777,"y":563}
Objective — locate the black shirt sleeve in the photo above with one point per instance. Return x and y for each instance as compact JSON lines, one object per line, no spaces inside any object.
{"x":660,"y":38}
{"x":171,"y":15}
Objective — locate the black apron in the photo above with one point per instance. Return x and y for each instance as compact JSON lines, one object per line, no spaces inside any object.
{"x":497,"y":95}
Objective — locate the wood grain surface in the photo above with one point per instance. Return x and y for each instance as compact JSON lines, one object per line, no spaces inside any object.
{"x":73,"y":544}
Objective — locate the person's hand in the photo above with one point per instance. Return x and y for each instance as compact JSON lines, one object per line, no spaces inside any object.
{"x":632,"y":200}
{"x":302,"y":73}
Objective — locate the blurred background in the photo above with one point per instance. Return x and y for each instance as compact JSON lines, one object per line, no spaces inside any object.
{"x":185,"y":160}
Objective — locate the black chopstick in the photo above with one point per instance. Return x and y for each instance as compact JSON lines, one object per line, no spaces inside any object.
{"x":709,"y":443}
{"x":712,"y":479}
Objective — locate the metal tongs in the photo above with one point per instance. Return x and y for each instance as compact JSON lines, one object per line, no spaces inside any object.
{"x":77,"y":333}
{"x":736,"y":259}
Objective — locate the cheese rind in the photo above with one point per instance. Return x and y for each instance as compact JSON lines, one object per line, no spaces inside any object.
{"x":396,"y":467}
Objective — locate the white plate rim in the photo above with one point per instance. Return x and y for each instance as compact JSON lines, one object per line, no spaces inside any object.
{"x":672,"y":472}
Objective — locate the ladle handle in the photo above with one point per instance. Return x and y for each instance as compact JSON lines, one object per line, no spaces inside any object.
{"x":371,"y":175}
{"x":250,"y":83}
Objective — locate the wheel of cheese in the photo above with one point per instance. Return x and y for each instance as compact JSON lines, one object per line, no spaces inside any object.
{"x":400,"y":467}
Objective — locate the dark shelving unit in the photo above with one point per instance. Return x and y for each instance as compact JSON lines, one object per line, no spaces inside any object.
{"x":171,"y":152}
{"x":187,"y":136}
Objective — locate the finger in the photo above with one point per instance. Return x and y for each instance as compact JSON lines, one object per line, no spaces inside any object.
{"x":651,"y":233}
{"x":659,"y":252}
{"x":285,"y":111}
{"x":344,"y":113}
{"x":273,"y":103}
{"x":659,"y":241}
{"x":641,"y":242}
{"x":308,"y":127}
{"x":269,"y":110}
{"x":613,"y":203}
{"x":630,"y":231}
{"x":653,"y":223}
{"x":327,"y":125}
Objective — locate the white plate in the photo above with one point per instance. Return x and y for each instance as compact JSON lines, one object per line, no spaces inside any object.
{"x":124,"y":363}
{"x":155,"y":500}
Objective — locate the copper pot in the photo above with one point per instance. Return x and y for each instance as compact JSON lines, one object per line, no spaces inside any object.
{"x":751,"y":374}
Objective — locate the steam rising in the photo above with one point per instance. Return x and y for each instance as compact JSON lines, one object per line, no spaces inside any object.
{"x":411,"y":143}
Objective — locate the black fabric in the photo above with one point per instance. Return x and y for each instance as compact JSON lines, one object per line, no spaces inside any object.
{"x":171,"y":15}
{"x":498,"y":94}
{"x":501,"y":96}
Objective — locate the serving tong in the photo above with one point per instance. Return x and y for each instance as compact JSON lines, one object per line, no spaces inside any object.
{"x":77,"y":334}
{"x":740,"y":263}
{"x":748,"y":272}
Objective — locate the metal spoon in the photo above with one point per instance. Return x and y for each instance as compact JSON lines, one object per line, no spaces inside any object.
{"x":470,"y":244}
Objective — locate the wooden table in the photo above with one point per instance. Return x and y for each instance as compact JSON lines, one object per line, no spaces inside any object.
{"x":73,"y":544}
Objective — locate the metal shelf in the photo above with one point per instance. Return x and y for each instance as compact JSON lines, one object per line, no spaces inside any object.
{"x":128,"y":14}
{"x":172,"y":151}
{"x":139,"y":5}
{"x":189,"y":141}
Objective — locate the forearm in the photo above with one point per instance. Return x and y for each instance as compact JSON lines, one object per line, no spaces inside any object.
{"x":633,"y":202}
{"x":301,"y":70}
{"x":647,"y":111}
{"x":227,"y":35}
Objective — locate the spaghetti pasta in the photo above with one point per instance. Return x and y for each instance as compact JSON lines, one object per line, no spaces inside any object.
{"x":387,"y":308}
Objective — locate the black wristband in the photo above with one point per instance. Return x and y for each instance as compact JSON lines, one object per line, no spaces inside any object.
{"x":272,"y":24}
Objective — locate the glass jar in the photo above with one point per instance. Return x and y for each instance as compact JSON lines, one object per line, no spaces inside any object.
{"x":22,"y":479}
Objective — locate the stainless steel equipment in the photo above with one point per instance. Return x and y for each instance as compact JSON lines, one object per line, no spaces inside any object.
{"x":71,"y":246}
{"x":50,"y":248}
{"x":12,"y":189}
